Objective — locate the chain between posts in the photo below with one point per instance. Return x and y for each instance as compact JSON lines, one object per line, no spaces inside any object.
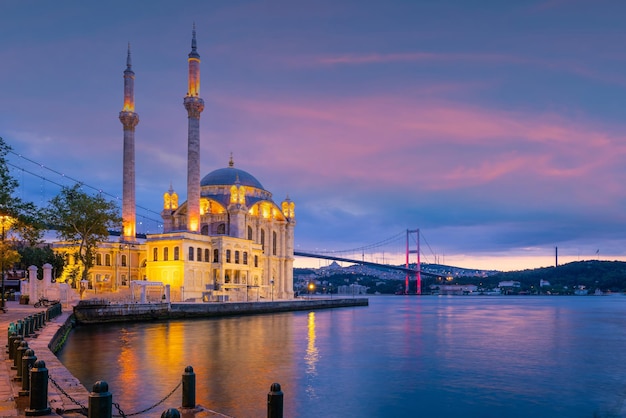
{"x":84,"y":410}
{"x":149,"y":408}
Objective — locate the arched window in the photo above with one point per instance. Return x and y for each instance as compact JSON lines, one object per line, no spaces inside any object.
{"x":123,"y":260}
{"x":228,"y":256}
{"x":221,"y":229}
{"x":176,"y":253}
{"x":263,"y":239}
{"x":199,"y":258}
{"x":155,"y":254}
{"x":250,"y":233}
{"x":98,"y":259}
{"x":274,"y":243}
{"x":245,"y":257}
{"x":206,"y":255}
{"x":166,"y":254}
{"x":236,"y":257}
{"x":204,"y":230}
{"x":216,"y":256}
{"x":256,"y":261}
{"x":190,"y":253}
{"x":107,"y":259}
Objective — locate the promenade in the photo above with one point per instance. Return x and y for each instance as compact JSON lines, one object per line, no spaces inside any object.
{"x":13,"y":405}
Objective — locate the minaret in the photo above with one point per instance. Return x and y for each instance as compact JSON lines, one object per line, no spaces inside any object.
{"x":194,"y":105}
{"x":129,"y":119}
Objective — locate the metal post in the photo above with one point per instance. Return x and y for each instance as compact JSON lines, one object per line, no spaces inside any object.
{"x":189,"y":388}
{"x":18,"y":358}
{"x":171,"y":413}
{"x":38,"y":399}
{"x":275,"y":402}
{"x":16,"y":344}
{"x":12,"y":338}
{"x":100,"y":401}
{"x":27,"y":363}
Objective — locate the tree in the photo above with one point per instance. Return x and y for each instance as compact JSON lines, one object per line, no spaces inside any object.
{"x":82,"y":220}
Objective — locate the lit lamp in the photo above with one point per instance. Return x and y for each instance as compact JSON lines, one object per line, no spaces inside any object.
{"x":311,"y":288}
{"x":6,"y":222}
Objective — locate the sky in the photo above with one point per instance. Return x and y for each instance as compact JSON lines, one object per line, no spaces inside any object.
{"x":495,"y":128}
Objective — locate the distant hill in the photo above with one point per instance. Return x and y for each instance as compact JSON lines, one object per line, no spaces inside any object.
{"x":604,"y":275}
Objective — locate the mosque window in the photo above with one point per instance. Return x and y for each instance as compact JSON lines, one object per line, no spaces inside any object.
{"x":98,"y":259}
{"x":274,"y":243}
{"x":204,"y":230}
{"x":176,"y":253}
{"x":216,"y":256}
{"x":199,"y":258}
{"x":155,"y":254}
{"x":190,"y":253}
{"x":256,"y":261}
{"x":263,"y":239}
{"x":250,"y":233}
{"x":236,"y":257}
{"x":166,"y":254}
{"x":245,"y":257}
{"x":228,"y":256}
{"x":107,"y":259}
{"x":206,"y":255}
{"x":124,"y":260}
{"x":221,"y":229}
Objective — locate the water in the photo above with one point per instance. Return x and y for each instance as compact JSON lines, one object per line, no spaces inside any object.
{"x":403,"y":356}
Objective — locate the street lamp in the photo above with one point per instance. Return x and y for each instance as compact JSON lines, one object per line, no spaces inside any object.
{"x":311,"y":288}
{"x":6,"y":222}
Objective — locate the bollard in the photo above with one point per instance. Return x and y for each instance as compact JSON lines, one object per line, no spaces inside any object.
{"x":38,"y":399}
{"x":20,"y":327}
{"x":31,"y":326}
{"x":12,"y":338}
{"x":27,"y":363}
{"x":10,"y":330}
{"x":43,"y":317}
{"x":275,"y":402}
{"x":100,"y":401}
{"x":19,"y":353}
{"x":26,"y":322}
{"x":189,"y":388}
{"x":37,"y":321}
{"x":16,"y":344}
{"x":171,"y":413}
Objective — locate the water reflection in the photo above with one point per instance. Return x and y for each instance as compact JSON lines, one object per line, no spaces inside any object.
{"x":312,"y":356}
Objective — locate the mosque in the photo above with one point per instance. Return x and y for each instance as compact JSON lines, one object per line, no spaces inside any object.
{"x":228,"y":242}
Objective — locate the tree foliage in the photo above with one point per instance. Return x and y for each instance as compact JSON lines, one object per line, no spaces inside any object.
{"x":82,"y":220}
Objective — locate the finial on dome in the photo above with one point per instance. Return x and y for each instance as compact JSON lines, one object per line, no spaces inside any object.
{"x":231,"y":163}
{"x":171,"y":190}
{"x":194,"y":51}
{"x":128,"y":63}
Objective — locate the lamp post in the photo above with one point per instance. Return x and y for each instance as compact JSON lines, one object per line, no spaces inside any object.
{"x":6,"y":222}
{"x":311,"y":289}
{"x":272,"y":283}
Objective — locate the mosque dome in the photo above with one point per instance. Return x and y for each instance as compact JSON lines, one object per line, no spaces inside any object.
{"x":229,"y":176}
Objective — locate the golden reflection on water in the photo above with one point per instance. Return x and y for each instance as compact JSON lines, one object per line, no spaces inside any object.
{"x":312,"y":355}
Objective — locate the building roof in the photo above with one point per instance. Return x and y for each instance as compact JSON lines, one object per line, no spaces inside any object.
{"x":229,"y":176}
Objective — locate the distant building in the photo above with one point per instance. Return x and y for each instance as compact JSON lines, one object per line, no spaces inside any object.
{"x":352,"y":289}
{"x":509,"y":284}
{"x":454,"y":289}
{"x":544,"y":283}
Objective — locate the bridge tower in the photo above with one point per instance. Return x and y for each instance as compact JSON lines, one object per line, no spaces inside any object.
{"x":409,"y":251}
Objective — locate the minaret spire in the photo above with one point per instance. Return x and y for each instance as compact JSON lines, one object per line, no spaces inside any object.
{"x":129,"y":120}
{"x":194,"y":105}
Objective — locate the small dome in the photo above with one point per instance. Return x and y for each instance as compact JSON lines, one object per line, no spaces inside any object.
{"x":229,"y":176}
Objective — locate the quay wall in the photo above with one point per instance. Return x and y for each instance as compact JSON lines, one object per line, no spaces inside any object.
{"x":102,"y":312}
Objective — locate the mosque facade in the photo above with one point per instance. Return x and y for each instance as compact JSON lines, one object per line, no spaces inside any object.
{"x":229,"y":241}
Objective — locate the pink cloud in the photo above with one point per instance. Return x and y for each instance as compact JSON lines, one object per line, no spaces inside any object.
{"x":442,"y":145}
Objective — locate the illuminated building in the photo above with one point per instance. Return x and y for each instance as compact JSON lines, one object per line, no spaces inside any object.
{"x":228,"y":242}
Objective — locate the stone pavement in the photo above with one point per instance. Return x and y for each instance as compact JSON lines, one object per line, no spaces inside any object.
{"x":11,"y":404}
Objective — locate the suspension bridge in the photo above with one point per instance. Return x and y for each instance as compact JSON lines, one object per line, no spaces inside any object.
{"x":410,"y":239}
